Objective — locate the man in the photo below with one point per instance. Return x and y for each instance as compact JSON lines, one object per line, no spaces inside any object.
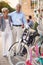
{"x":19,"y":22}
{"x":30,"y":22}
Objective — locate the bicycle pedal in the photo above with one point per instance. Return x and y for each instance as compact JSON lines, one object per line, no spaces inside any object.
{"x":21,"y":54}
{"x":14,"y":54}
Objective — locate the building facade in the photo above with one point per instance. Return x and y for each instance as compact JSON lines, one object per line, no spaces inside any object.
{"x":27,"y":5}
{"x":26,"y":8}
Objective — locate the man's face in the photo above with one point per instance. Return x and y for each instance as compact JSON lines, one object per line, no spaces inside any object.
{"x":18,"y":8}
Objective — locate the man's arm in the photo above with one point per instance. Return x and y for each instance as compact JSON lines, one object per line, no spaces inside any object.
{"x":25,"y":21}
{"x":10,"y":14}
{"x":0,"y":22}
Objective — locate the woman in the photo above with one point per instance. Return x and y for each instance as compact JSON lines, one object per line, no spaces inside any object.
{"x":6,"y":23}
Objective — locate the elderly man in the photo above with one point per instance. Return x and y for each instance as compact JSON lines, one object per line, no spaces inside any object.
{"x":19,"y":22}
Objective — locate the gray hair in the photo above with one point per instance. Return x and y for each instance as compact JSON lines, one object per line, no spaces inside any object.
{"x":19,"y":5}
{"x":4,"y":9}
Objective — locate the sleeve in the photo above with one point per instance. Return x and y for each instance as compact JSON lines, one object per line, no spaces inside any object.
{"x":0,"y":21}
{"x":10,"y":14}
{"x":1,"y":24}
{"x":11,"y":19}
{"x":25,"y":21}
{"x":11,"y":22}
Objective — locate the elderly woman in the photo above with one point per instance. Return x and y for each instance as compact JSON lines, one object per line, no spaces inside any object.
{"x":6,"y":25}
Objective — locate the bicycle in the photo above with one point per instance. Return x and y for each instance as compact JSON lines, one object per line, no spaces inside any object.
{"x":21,"y":56}
{"x":35,"y":61}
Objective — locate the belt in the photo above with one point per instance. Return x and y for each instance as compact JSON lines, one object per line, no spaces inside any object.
{"x":17,"y":25}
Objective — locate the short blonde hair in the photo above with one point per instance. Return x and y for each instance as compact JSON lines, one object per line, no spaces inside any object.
{"x":4,"y":9}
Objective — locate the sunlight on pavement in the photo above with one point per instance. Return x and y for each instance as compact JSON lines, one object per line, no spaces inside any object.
{"x":3,"y":61}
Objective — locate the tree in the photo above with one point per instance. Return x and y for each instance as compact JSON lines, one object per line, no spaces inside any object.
{"x":4,"y":4}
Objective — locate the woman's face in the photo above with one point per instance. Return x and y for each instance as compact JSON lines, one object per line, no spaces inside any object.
{"x":5,"y":13}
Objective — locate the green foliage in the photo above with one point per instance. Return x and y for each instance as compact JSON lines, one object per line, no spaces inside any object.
{"x":35,"y":26}
{"x":4,"y":4}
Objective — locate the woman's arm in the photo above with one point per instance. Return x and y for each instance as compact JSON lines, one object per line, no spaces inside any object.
{"x":0,"y":21}
{"x":11,"y":22}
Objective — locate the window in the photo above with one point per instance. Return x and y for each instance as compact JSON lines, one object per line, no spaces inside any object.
{"x":33,"y":4}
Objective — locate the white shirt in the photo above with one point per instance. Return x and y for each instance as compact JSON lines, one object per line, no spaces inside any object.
{"x":7,"y":26}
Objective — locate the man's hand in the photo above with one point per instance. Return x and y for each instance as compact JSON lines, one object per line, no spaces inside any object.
{"x":22,"y":25}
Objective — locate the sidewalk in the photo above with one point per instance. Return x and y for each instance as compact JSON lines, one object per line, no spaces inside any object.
{"x":3,"y":61}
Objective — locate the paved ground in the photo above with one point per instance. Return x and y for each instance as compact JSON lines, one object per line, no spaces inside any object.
{"x":3,"y":61}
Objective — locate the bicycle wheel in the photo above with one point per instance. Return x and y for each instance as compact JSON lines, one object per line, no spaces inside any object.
{"x":39,"y":40}
{"x":21,"y":63}
{"x":36,"y":62}
{"x":13,"y":59}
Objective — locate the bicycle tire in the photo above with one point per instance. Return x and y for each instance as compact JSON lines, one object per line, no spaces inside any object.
{"x":10,"y":50}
